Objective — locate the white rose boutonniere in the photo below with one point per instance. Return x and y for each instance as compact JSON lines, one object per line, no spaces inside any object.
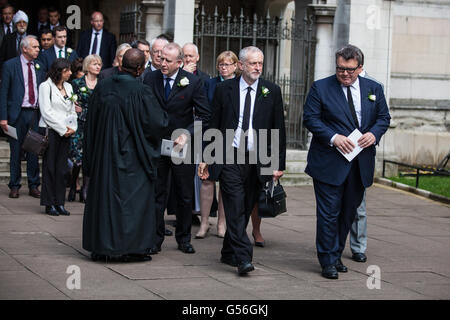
{"x":73,"y":98}
{"x":83,"y":89}
{"x":264,"y":91}
{"x":69,"y":52}
{"x":37,"y":66}
{"x":183,"y":82}
{"x":372,"y":97}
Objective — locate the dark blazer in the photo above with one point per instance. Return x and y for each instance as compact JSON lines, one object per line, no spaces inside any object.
{"x":48,"y":56}
{"x":33,"y":28}
{"x":2,"y":31}
{"x":268,"y":114}
{"x":108,"y":73}
{"x":181,"y":101}
{"x":8,"y":50}
{"x":211,"y":87}
{"x":326,"y":112}
{"x":108,"y":47}
{"x":13,"y":89}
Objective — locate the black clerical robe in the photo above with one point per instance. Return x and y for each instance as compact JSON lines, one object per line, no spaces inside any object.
{"x":122,"y":143}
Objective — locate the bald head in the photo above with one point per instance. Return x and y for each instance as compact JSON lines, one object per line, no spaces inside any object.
{"x":133,"y":61}
{"x":97,"y":20}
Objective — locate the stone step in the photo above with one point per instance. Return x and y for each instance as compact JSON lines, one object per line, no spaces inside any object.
{"x":296,"y":179}
{"x":296,"y":155}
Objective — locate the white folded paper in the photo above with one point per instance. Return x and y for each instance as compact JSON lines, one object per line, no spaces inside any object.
{"x":169,"y":149}
{"x":354,"y":137}
{"x":12,"y":132}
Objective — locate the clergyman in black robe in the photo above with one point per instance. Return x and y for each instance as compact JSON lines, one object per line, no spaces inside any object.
{"x":123,"y":134}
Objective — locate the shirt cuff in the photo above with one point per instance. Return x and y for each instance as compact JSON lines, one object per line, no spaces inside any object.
{"x":332,"y":140}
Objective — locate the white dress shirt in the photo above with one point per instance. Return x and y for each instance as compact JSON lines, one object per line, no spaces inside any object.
{"x":243,"y":85}
{"x":99,"y":41}
{"x":356,"y":96}
{"x":5,"y":27}
{"x":63,"y":52}
{"x":173,"y":77}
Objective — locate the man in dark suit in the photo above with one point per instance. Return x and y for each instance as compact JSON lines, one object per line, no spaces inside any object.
{"x":248,"y":105}
{"x":190,"y":60}
{"x":46,"y":39}
{"x":107,"y":73}
{"x":178,"y":92}
{"x":334,"y":108}
{"x":19,"y":108}
{"x":98,"y":41}
{"x":11,"y":43}
{"x":42,"y":23}
{"x":59,"y":50}
{"x":54,"y":17}
{"x":6,"y":25}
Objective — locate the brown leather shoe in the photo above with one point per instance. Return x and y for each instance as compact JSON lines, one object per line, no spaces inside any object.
{"x":35,"y":193}
{"x":14,"y":193}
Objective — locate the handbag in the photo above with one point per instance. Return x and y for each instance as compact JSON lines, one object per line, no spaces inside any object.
{"x":35,"y":142}
{"x":272,"y":200}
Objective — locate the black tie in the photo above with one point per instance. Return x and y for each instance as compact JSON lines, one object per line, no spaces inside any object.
{"x":248,"y":101}
{"x":94,"y":45}
{"x":167,"y":88}
{"x":9,"y":30}
{"x":352,"y":106}
{"x":19,"y":39}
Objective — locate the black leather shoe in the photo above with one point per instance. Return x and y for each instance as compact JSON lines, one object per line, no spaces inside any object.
{"x":340,"y":266}
{"x":186,"y":247}
{"x":245,"y":267}
{"x":231,"y":261}
{"x":51,"y":210}
{"x":154,"y":250}
{"x":168,"y":233}
{"x":135,"y":257}
{"x":359,"y":257}
{"x":330,"y":272}
{"x":62,"y":211}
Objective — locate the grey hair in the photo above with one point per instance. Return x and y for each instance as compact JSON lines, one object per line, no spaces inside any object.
{"x":245,"y":51}
{"x":25,"y":42}
{"x":122,"y":47}
{"x":350,"y":52}
{"x":192,"y":44}
{"x":154,"y":40}
{"x":176,"y":46}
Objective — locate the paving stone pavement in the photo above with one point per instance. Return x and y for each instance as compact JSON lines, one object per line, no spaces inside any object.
{"x":409,"y":240}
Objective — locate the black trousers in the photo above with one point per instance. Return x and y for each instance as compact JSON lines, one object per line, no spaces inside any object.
{"x":54,"y":167}
{"x":183,"y":180}
{"x":240,"y":187}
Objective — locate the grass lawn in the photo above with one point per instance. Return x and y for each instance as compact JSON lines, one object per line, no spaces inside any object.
{"x":435,"y":184}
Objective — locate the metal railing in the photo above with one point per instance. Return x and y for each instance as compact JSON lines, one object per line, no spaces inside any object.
{"x":217,"y":33}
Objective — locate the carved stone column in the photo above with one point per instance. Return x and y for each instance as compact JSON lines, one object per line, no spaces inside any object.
{"x":324,"y":60}
{"x":153,"y":16}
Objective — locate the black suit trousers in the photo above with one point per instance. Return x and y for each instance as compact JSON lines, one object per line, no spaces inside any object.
{"x":54,"y":167}
{"x":240,"y":187}
{"x":183,"y":177}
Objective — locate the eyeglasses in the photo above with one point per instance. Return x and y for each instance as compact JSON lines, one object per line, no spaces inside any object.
{"x":226,"y":65}
{"x":349,"y":70}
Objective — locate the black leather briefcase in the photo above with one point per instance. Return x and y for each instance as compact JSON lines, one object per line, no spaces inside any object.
{"x":272,"y":200}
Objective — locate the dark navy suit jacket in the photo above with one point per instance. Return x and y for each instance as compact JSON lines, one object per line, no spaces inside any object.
{"x":108,"y":47}
{"x":13,"y":89}
{"x":326,"y":112}
{"x":211,"y":87}
{"x":49,"y":56}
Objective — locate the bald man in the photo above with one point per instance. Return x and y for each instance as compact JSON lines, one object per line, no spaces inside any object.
{"x":98,"y":41}
{"x":124,"y":115}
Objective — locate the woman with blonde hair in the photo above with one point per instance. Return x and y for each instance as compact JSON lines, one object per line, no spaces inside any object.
{"x":83,"y":88}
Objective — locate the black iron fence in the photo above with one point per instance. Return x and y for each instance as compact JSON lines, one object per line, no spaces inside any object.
{"x":216,"y":33}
